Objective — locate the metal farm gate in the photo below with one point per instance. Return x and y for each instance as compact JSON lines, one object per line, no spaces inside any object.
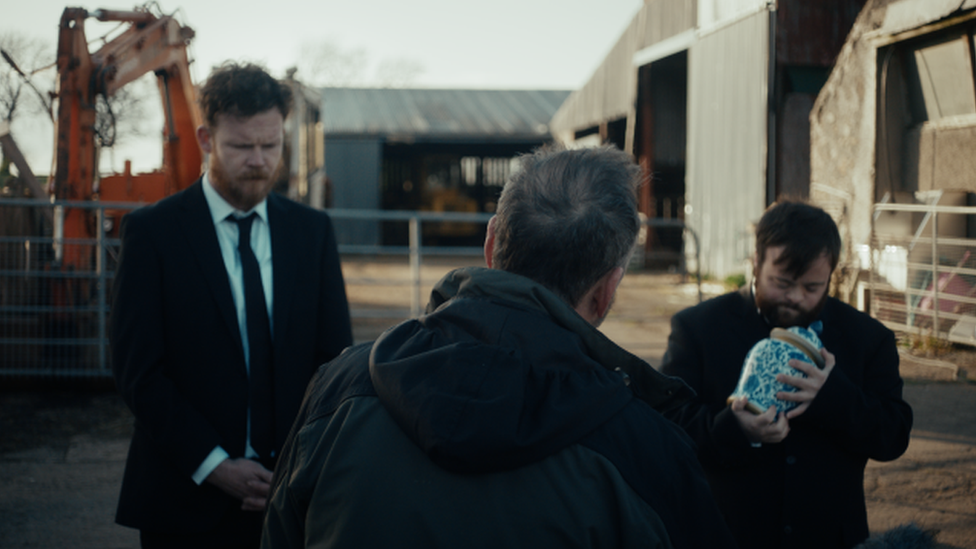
{"x":54,"y":318}
{"x":923,"y":270}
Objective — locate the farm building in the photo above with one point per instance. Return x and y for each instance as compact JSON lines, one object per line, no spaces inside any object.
{"x":892,"y":140}
{"x":426,"y":149}
{"x":713,"y":99}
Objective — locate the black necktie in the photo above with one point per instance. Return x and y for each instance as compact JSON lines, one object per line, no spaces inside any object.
{"x":260,"y":381}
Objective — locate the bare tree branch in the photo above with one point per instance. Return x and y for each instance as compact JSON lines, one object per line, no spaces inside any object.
{"x":398,"y":73}
{"x":325,"y":63}
{"x":25,"y":55}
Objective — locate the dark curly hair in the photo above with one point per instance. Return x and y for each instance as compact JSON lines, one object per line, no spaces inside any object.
{"x":242,"y":90}
{"x":806,"y":232}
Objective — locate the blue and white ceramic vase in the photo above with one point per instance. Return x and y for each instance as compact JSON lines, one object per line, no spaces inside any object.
{"x":771,"y":356}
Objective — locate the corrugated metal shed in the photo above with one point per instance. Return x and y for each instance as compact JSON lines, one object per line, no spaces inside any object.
{"x":610,"y":92}
{"x":438,"y":113}
{"x":727,"y":141}
{"x":751,"y":67}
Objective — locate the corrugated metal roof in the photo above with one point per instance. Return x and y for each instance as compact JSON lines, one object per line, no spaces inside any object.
{"x":438,"y":112}
{"x":611,"y":90}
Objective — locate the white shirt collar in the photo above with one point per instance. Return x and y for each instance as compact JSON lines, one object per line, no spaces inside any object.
{"x":220,"y":208}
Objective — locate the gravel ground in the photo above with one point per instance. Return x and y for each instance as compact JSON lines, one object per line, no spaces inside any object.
{"x":62,"y":447}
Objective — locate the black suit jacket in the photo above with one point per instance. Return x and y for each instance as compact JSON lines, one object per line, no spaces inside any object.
{"x":806,"y":491}
{"x":177,"y":354}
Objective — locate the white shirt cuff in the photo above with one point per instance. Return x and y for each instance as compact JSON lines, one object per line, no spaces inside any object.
{"x":216,"y":457}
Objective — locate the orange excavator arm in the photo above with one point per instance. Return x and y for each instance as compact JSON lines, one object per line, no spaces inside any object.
{"x":151,"y":43}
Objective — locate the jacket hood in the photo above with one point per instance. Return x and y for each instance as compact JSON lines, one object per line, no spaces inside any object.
{"x":501,"y":373}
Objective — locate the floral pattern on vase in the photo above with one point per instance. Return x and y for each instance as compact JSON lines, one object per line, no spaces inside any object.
{"x":770,"y":357}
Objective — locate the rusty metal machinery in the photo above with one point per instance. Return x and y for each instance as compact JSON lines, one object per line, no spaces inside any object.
{"x":151,"y":43}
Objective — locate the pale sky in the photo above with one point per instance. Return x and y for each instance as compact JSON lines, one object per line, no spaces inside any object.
{"x":502,"y":44}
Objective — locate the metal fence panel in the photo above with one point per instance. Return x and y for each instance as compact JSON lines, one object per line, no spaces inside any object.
{"x":923,"y":270}
{"x":54,"y":317}
{"x":54,"y":290}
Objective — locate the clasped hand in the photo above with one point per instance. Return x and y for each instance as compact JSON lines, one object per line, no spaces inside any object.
{"x":771,"y":427}
{"x":808,"y":387}
{"x":246,"y":480}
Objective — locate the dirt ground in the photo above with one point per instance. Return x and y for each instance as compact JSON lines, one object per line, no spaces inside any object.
{"x":62,"y":446}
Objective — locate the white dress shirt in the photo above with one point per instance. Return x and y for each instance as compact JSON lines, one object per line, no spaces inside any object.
{"x":227,"y":237}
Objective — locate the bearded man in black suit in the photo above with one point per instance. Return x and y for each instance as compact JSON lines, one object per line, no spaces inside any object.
{"x":794,"y":479}
{"x":226,"y":299}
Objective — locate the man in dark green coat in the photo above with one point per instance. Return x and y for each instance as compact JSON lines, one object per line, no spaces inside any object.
{"x":503,"y":417}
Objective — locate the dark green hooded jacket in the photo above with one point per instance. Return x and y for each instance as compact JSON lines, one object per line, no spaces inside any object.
{"x":501,"y":418}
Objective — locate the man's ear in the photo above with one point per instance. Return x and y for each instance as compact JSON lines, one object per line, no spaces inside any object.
{"x":596,"y":302}
{"x":490,"y":242}
{"x":609,"y":289}
{"x":205,"y":139}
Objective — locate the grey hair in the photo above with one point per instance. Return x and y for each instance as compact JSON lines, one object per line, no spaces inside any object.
{"x":568,"y":217}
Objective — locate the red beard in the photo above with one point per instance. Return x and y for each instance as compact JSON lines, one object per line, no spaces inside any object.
{"x":245,"y":191}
